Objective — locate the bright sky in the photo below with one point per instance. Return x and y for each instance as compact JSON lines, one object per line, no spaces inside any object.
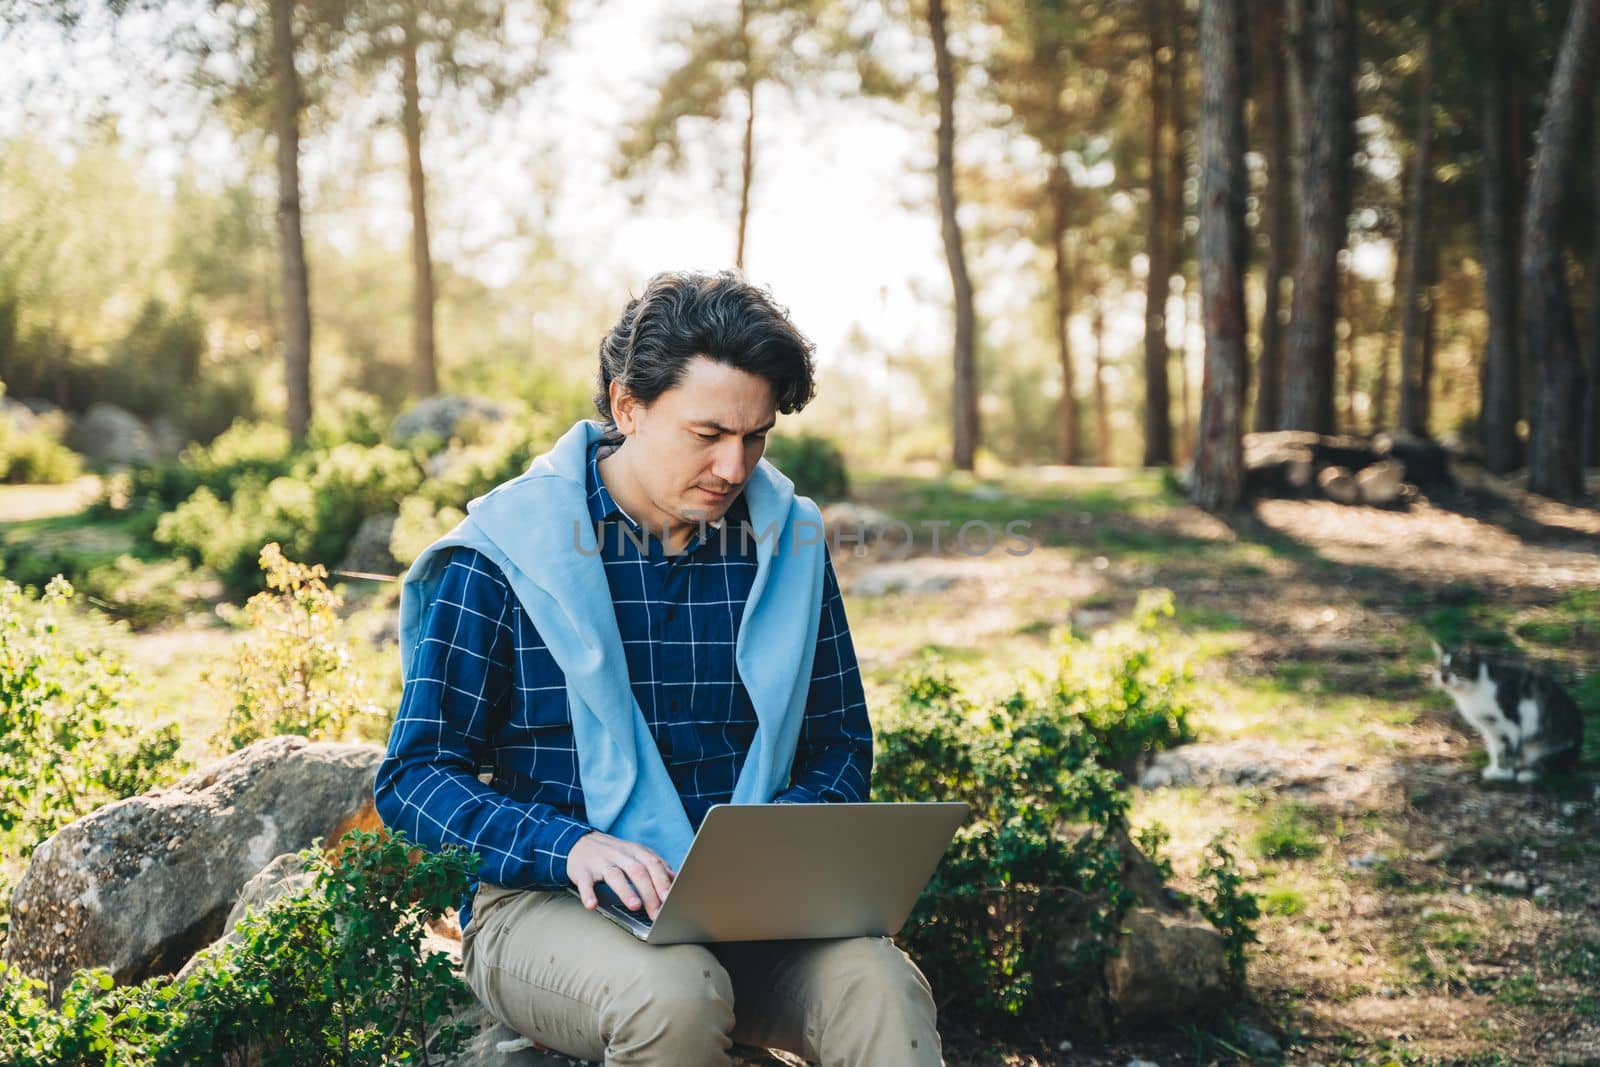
{"x":829,"y":231}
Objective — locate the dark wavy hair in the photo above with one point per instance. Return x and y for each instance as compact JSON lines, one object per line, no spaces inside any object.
{"x":683,"y":314}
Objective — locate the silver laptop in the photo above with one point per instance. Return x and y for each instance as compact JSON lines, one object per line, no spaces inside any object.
{"x":776,"y":872}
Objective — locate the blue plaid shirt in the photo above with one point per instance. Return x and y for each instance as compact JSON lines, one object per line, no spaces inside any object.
{"x":487,"y":698}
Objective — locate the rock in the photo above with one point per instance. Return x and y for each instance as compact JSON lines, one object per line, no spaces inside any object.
{"x":1366,"y":861}
{"x":112,"y":435}
{"x":283,"y":876}
{"x":1339,"y":485}
{"x":912,"y":576}
{"x":1544,"y":892}
{"x":494,"y":1044}
{"x":1167,"y":967}
{"x":369,"y":548}
{"x":863,"y":521}
{"x":1260,"y":1044}
{"x":1512,"y":882}
{"x":444,"y":417}
{"x":1238,"y":763}
{"x":139,"y":885}
{"x":1382,"y":483}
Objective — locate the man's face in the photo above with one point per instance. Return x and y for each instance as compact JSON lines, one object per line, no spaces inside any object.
{"x":697,"y":443}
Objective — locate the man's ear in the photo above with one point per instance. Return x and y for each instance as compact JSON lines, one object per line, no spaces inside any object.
{"x":624,"y":406}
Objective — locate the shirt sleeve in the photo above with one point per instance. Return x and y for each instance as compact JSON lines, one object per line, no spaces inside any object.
{"x":833,"y":758}
{"x":427,"y":785}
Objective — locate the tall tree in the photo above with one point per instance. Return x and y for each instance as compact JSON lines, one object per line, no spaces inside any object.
{"x":287,"y":103}
{"x":1060,"y":185}
{"x":1322,"y":96}
{"x":1219,"y":459}
{"x":1272,"y":116}
{"x":1158,"y":244}
{"x":1592,"y":438}
{"x":728,"y":58}
{"x":1502,"y":376}
{"x":964,"y":384}
{"x":477,"y":49}
{"x":1415,"y":299}
{"x":1554,"y":465}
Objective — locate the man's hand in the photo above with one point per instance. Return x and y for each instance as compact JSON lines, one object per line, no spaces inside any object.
{"x":636,"y":874}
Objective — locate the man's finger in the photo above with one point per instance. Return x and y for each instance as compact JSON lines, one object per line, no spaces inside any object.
{"x":585,"y":883}
{"x":659,"y":873}
{"x":617,"y":879}
{"x":644,"y":884}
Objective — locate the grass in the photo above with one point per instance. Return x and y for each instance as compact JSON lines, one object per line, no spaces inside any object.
{"x":1289,"y":832}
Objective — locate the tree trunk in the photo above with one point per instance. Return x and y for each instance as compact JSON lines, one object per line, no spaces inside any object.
{"x":1274,"y":121}
{"x":1414,"y":300}
{"x":424,"y":363}
{"x":1060,"y":204}
{"x":1322,"y":51}
{"x":1219,"y":458}
{"x":964,"y":385}
{"x":1179,"y":250}
{"x":1501,"y":402}
{"x":1157,"y":386}
{"x":296,"y":286}
{"x":1593,"y":437}
{"x":1102,"y":407}
{"x":748,"y":164}
{"x":1554,"y":465}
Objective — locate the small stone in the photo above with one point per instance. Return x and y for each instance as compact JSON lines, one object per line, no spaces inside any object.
{"x":1142,"y":1063}
{"x":1570,"y":809}
{"x":1065,"y":1046}
{"x":1260,"y":1044}
{"x":1366,"y":861}
{"x":1544,"y":892}
{"x":1513,"y":881}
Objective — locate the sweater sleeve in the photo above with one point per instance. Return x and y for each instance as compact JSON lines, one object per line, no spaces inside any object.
{"x":427,"y":785}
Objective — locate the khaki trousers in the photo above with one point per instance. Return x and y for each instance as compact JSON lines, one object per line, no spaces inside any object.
{"x":574,"y":982}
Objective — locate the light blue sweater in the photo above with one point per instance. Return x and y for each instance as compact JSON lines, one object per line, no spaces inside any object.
{"x":536,"y":528}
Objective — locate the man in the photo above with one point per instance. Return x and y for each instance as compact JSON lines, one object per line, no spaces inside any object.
{"x":639,"y":627}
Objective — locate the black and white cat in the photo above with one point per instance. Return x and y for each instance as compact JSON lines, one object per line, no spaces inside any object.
{"x":1530,"y":725}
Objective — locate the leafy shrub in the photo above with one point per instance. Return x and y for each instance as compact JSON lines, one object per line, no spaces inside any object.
{"x":419,"y":525}
{"x":244,"y":453}
{"x":295,"y":676}
{"x":1126,"y":687}
{"x":67,"y":744}
{"x":1227,"y":905}
{"x":812,"y":462}
{"x":227,"y":536}
{"x":500,"y":451}
{"x":31,"y":451}
{"x":1028,"y":900}
{"x":350,"y":483}
{"x":332,"y":975}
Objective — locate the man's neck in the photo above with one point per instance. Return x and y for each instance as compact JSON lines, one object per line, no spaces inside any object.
{"x":620,"y":481}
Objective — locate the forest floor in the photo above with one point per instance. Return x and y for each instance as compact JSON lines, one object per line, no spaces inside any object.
{"x":1413,"y":914}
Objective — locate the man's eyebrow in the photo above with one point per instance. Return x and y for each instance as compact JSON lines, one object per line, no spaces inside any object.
{"x":717,"y":426}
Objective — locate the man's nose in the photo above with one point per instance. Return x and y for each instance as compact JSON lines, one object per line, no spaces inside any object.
{"x":729,"y":465}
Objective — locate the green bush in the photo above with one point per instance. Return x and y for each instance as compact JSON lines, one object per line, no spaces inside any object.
{"x":332,"y":975}
{"x":812,"y":462}
{"x":33,"y":454}
{"x":1013,"y":888}
{"x":350,"y":483}
{"x":464,"y":471}
{"x":1125,"y":685}
{"x":1028,"y":901}
{"x":67,"y":743}
{"x":295,"y":676}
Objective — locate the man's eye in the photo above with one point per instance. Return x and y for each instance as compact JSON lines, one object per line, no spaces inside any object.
{"x":706,"y":436}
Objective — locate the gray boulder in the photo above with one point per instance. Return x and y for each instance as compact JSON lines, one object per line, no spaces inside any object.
{"x":446,"y":416}
{"x":141,"y":884}
{"x":1166,"y":967}
{"x":369,"y":548}
{"x":112,"y":435}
